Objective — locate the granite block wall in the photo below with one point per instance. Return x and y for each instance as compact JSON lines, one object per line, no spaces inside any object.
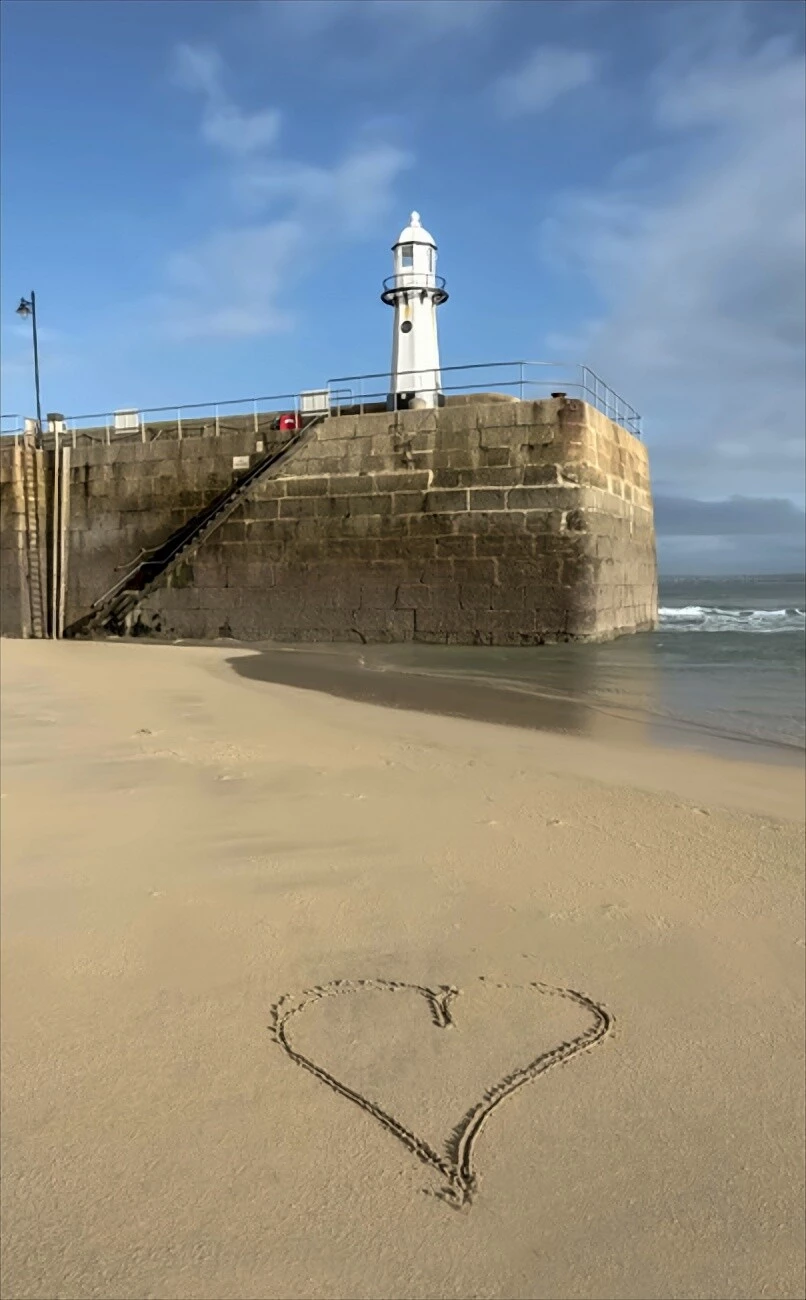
{"x":480,"y":523}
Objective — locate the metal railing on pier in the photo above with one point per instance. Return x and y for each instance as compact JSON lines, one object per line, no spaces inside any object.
{"x":523,"y":380}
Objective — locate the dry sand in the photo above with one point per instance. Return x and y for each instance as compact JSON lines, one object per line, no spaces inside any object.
{"x":620,"y":1066}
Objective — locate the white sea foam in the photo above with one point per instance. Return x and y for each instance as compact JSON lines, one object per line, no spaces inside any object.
{"x":713,"y":618}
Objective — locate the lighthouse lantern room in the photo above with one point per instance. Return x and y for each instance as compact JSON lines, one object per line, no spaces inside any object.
{"x":415,"y":291}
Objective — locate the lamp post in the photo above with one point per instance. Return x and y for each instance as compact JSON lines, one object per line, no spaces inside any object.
{"x":27,"y":307}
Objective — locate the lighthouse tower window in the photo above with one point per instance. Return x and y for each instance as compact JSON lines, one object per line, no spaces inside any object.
{"x":407,"y":255}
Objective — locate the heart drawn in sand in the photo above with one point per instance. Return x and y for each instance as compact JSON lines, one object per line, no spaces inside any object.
{"x":455,"y":1166}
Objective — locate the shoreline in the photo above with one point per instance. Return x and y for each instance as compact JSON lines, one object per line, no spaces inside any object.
{"x":326,"y":668}
{"x":487,"y":700}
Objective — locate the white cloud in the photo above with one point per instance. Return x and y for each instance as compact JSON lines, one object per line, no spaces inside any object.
{"x":228,"y":285}
{"x":348,"y":197}
{"x":698,"y":260}
{"x":235,"y":281}
{"x":223,"y":123}
{"x":550,"y":72}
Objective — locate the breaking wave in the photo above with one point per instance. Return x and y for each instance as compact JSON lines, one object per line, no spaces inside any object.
{"x":712,"y":618}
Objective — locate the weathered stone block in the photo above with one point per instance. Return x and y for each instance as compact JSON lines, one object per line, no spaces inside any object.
{"x":424,"y":525}
{"x":509,"y":597}
{"x":446,"y":478}
{"x":507,"y":521}
{"x":542,"y":498}
{"x":494,"y":457}
{"x":330,"y":509}
{"x":546,"y":521}
{"x":441,"y":621}
{"x":371,"y":425}
{"x":446,"y":500}
{"x":360,"y":527}
{"x":474,"y":521}
{"x":459,"y":424}
{"x":541,"y":474}
{"x":261,"y":510}
{"x":313,"y":486}
{"x":503,"y":477}
{"x":338,"y":428}
{"x":578,"y":521}
{"x":459,"y":546}
{"x":439,"y":571}
{"x":342,"y":484}
{"x":388,"y":549}
{"x":505,"y":547}
{"x":407,"y":503}
{"x":401,"y":481}
{"x":475,"y":595}
{"x":297,"y":507}
{"x":419,"y":549}
{"x":422,"y":421}
{"x":488,"y":499}
{"x":232,"y":531}
{"x":455,"y":460}
{"x":379,"y":504}
{"x":414,"y":595}
{"x":387,"y":625}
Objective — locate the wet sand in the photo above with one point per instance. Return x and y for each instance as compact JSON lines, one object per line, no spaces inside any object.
{"x":567,"y":1056}
{"x":565,"y":704}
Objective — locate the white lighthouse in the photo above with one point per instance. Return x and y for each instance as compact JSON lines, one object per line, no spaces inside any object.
{"x":415,"y":291}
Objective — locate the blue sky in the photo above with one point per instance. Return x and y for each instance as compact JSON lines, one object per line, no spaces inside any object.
{"x":203,"y":196}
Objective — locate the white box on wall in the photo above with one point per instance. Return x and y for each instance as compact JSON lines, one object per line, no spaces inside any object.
{"x":316,"y":401}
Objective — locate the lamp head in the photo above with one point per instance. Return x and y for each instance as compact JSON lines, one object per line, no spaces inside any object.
{"x":24,"y":308}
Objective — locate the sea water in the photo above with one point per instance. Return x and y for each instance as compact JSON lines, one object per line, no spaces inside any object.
{"x":726,"y":666}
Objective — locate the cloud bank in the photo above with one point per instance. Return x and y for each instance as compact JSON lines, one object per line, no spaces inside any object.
{"x":696,"y":251}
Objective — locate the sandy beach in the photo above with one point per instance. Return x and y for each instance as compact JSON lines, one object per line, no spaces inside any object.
{"x":565,"y":1060}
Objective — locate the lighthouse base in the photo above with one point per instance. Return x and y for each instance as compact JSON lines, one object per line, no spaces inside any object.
{"x":414,"y":401}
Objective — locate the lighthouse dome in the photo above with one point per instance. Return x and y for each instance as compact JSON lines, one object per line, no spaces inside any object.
{"x":415,"y":233}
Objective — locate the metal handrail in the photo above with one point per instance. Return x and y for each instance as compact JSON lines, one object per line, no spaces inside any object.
{"x":411,"y":282}
{"x":583,"y":380}
{"x":435,"y":281}
{"x":524,"y":378}
{"x":475,"y":365}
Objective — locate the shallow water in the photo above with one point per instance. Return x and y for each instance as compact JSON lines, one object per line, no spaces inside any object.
{"x":726,"y":664}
